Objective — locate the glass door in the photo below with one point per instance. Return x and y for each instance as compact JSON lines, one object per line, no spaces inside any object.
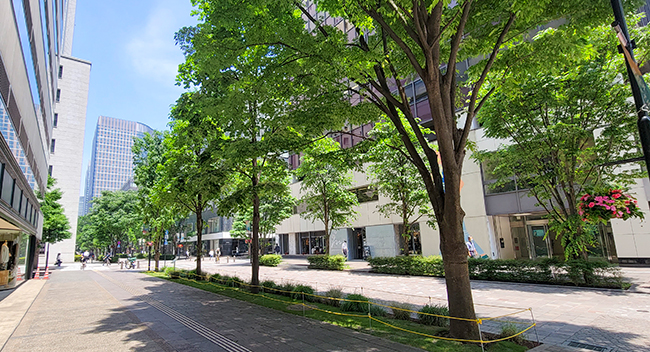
{"x":538,"y":240}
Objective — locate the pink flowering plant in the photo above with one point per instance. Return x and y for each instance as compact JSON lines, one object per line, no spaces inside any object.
{"x":608,"y":203}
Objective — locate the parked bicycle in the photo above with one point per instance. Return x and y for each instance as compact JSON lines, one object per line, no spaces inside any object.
{"x":130,"y":263}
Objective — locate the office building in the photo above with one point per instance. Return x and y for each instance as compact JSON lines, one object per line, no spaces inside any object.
{"x":31,"y":36}
{"x":111,"y":163}
{"x":68,"y":127}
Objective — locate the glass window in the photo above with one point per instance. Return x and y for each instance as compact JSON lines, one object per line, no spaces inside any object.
{"x":16,"y":198}
{"x":365,"y":194}
{"x":58,"y":95}
{"x":7,"y":187}
{"x":61,"y":71}
{"x":52,"y":146}
{"x":55,"y":123}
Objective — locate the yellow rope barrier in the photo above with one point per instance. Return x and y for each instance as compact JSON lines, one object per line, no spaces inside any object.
{"x":209,"y":281}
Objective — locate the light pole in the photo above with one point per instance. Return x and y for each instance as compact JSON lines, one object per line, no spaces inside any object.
{"x":639,"y":89}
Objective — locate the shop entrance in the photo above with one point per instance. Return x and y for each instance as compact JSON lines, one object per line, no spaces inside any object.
{"x":539,"y":241}
{"x":358,"y":241}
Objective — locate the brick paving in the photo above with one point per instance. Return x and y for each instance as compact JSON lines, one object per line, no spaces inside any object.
{"x":617,"y":321}
{"x":106,"y":309}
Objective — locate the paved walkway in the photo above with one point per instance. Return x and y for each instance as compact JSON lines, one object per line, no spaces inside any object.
{"x":106,"y":309}
{"x":614,"y":320}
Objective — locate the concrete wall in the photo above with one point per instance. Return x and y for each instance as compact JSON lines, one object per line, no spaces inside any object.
{"x":66,"y":161}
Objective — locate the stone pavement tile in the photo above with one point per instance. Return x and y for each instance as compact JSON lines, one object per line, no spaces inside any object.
{"x":15,"y":305}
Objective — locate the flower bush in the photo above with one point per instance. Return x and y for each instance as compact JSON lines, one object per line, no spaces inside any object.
{"x":608,"y":204}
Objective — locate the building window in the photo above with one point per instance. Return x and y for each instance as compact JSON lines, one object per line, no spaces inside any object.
{"x":58,"y":95}
{"x":56,"y":120}
{"x":49,"y":171}
{"x":60,"y":71}
{"x":52,"y":145}
{"x":365,"y":194}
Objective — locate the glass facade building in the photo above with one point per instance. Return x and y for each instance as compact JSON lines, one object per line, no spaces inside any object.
{"x":111,"y":163}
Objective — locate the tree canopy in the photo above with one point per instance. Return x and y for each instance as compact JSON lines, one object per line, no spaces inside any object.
{"x":568,"y":121}
{"x":56,"y":226}
{"x":326,"y":181}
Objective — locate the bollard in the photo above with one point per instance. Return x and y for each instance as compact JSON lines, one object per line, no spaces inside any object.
{"x":227,"y":259}
{"x":138,"y":264}
{"x":121,"y":265}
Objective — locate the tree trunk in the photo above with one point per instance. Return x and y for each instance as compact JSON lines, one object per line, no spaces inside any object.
{"x":459,"y":290}
{"x":254,"y":252}
{"x":406,"y":231}
{"x":328,"y":233}
{"x":156,"y":248}
{"x":199,"y":238}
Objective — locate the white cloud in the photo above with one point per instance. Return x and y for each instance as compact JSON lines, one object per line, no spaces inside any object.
{"x":151,"y":50}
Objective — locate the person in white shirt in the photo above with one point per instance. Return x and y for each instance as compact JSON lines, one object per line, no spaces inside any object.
{"x":471,"y":248}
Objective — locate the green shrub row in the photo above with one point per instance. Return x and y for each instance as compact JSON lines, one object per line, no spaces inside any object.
{"x":270,"y":259}
{"x":327,"y":262}
{"x":353,"y":303}
{"x":542,"y":271}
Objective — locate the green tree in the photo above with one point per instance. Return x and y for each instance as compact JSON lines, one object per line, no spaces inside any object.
{"x":113,"y":218}
{"x":193,"y":174}
{"x":326,"y":179}
{"x":393,"y":173}
{"x":251,"y":94}
{"x":567,"y":124}
{"x":148,"y":156}
{"x":56,"y":226}
{"x":393,"y":41}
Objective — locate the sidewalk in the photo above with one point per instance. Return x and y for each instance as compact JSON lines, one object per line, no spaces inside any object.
{"x":614,"y":320}
{"x":119,"y":310}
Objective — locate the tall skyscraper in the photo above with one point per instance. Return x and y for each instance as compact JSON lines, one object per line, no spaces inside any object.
{"x":30,"y":40}
{"x":111,"y":163}
{"x":68,"y":127}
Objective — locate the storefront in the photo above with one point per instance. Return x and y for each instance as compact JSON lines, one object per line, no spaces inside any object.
{"x":14,"y":249}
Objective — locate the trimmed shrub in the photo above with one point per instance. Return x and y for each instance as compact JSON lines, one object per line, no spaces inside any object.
{"x":511,"y":329}
{"x":286,"y":289}
{"x":400,"y":311}
{"x":214,"y":278}
{"x":140,"y":256}
{"x":360,"y":303}
{"x":543,"y":271}
{"x":166,"y":257}
{"x":436,"y":320}
{"x":297,"y":293}
{"x":270,"y":259}
{"x":269,"y":286}
{"x":77,"y":258}
{"x":333,"y":293}
{"x":327,"y":262}
{"x":233,"y":281}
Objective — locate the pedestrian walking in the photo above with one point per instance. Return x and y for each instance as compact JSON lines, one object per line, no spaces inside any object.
{"x":277,"y":249}
{"x":344,"y":248}
{"x":471,"y":248}
{"x":212,"y":254}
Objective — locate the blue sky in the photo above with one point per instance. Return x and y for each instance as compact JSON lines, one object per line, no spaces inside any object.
{"x":134,"y":59}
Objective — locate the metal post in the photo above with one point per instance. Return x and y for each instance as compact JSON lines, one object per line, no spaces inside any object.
{"x":303,"y":304}
{"x":480,"y":334}
{"x":534,"y":324}
{"x":643,"y":122}
{"x":369,"y":316}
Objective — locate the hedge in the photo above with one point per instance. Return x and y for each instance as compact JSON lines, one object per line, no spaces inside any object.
{"x":543,"y":271}
{"x":327,"y":262}
{"x":270,"y":259}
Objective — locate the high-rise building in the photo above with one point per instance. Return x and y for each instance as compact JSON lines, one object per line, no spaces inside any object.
{"x":111,"y":163}
{"x":31,"y":39}
{"x":68,"y":127}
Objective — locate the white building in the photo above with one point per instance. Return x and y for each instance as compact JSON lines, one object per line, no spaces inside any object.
{"x":69,"y":124}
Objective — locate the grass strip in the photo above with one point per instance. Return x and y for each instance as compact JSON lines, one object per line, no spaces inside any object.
{"x":361,"y":324}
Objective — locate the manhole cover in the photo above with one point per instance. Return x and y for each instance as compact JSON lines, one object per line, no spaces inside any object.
{"x":588,"y":346}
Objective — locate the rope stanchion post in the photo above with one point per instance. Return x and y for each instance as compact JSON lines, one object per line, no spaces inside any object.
{"x":480,"y":334}
{"x":369,"y":316}
{"x":303,"y":304}
{"x":534,"y":323}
